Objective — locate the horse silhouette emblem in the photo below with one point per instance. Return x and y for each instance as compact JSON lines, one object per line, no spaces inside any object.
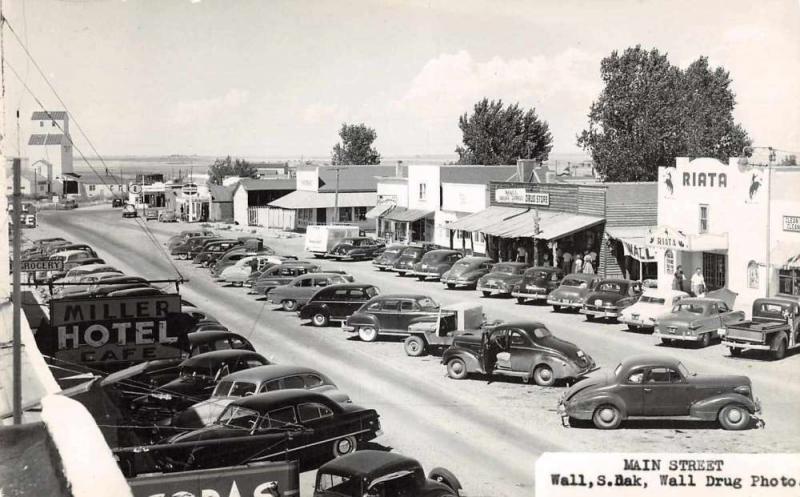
{"x":668,"y":182}
{"x":755,"y":184}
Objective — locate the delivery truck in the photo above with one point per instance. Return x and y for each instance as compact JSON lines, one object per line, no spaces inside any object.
{"x":320,"y":239}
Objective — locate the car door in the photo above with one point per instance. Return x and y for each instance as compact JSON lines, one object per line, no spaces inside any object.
{"x":338,"y":303}
{"x":387,"y":314}
{"x":302,"y":289}
{"x":323,"y":425}
{"x":409,"y":309}
{"x":666,"y":393}
{"x":522,"y":351}
{"x":711,"y":319}
{"x":631,"y":391}
{"x":355,"y":299}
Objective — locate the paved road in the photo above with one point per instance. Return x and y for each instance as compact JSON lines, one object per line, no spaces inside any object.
{"x":489,"y":434}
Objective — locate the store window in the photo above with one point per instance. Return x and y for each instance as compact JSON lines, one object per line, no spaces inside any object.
{"x":703,"y":218}
{"x":91,"y":188}
{"x":669,"y":261}
{"x":345,"y":215}
{"x":423,"y":191}
{"x":360,"y":213}
{"x":789,"y":281}
{"x":752,"y":274}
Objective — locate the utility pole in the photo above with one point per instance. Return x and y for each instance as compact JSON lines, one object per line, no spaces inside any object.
{"x":17,"y":298}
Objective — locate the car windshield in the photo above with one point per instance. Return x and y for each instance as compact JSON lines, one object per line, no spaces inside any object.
{"x":542,"y":333}
{"x":342,"y":485}
{"x":693,"y":308}
{"x":242,"y":388}
{"x":428,"y":304}
{"x":685,"y":372}
{"x":647,"y":299}
{"x":222,"y":389}
{"x":238,"y":417}
{"x":609,"y":287}
{"x":574,"y":283}
{"x":501,"y":268}
{"x":187,"y":371}
{"x":539,"y":275}
{"x":460,"y":264}
{"x":412,"y":252}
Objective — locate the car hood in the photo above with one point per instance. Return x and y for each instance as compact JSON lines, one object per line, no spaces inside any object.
{"x":508,"y":278}
{"x":590,"y":382}
{"x":646,"y":309}
{"x":463,"y":270}
{"x":535,"y":280}
{"x":385,"y":258}
{"x":604,"y":296}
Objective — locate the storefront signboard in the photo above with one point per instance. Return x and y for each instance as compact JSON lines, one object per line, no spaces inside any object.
{"x":639,"y":252}
{"x":791,"y":223}
{"x":667,"y":237}
{"x":520,"y":196}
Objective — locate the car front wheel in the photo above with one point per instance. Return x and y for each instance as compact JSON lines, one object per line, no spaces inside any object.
{"x":320,"y":319}
{"x":486,"y":294}
{"x":344,"y":446}
{"x":414,"y":346}
{"x":367,"y":334}
{"x":520,"y":300}
{"x":557,"y":308}
{"x":778,"y":352}
{"x":289,"y":305}
{"x":607,"y":417}
{"x":543,"y":376}
{"x":735,"y":351}
{"x":734,"y":417}
{"x":451,"y":285}
{"x":456,"y":369}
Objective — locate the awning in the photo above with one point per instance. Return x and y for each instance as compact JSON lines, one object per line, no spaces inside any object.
{"x":512,"y":222}
{"x":785,"y":255}
{"x":301,"y":199}
{"x":667,"y":237}
{"x":379,"y":209}
{"x":634,"y":241}
{"x":404,"y":215}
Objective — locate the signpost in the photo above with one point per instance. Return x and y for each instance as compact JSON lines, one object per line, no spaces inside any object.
{"x":32,"y":266}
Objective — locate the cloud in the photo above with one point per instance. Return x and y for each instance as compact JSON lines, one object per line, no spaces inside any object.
{"x":191,"y":111}
{"x":319,"y":113}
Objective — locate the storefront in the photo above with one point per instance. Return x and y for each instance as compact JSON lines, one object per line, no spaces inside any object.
{"x":739,"y":223}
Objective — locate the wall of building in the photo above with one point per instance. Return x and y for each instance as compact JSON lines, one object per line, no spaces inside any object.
{"x":308,"y":179}
{"x":394,"y":189}
{"x":784,"y":202}
{"x":240,"y":206}
{"x":429,"y":177}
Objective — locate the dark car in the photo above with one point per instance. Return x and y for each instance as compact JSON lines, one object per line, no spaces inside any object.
{"x":129,"y":210}
{"x":385,"y":474}
{"x":537,"y":283}
{"x":280,"y":275}
{"x":117,"y":202}
{"x":299,"y":291}
{"x":645,"y":386}
{"x":181,"y":237}
{"x":212,"y":250}
{"x":435,"y":263}
{"x":195,"y":249}
{"x":610,"y":297}
{"x":409,"y":256}
{"x":167,"y":217}
{"x":294,"y":424}
{"x":502,"y":278}
{"x":467,"y":271}
{"x":336,"y":302}
{"x":389,"y":256}
{"x":695,"y":320}
{"x":390,"y":315}
{"x":572,"y":291}
{"x":352,"y":249}
{"x":191,"y":247}
{"x":526,"y":350}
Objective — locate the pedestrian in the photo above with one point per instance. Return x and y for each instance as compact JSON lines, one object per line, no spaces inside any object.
{"x":578,"y":267}
{"x":588,"y":268}
{"x":567,"y":262}
{"x":677,"y":281}
{"x":546,"y":260}
{"x":522,"y":254}
{"x":698,"y":283}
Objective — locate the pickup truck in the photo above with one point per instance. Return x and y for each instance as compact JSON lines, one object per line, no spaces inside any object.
{"x":774,"y":326}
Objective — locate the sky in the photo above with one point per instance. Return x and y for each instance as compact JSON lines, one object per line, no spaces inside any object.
{"x":277,"y":78}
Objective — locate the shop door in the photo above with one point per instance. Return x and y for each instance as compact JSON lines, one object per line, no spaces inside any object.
{"x":714,"y":270}
{"x":322,"y":215}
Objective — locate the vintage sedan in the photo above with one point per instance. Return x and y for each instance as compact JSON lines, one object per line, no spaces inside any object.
{"x":526,"y":350}
{"x":610,"y":297}
{"x":467,"y":271}
{"x":385,"y":474}
{"x":75,"y":274}
{"x":573,"y":291}
{"x":293,"y":424}
{"x":191,"y":246}
{"x":353,"y":249}
{"x":238,"y":273}
{"x":388,"y":257}
{"x":653,"y":303}
{"x":281,"y":275}
{"x":297,"y":292}
{"x":646,"y":386}
{"x":214,"y":249}
{"x":336,"y":302}
{"x":537,"y":283}
{"x":390,"y":315}
{"x":502,"y":278}
{"x":252,"y":381}
{"x":435,"y":263}
{"x":410,"y":255}
{"x":181,"y":237}
{"x":695,"y":320}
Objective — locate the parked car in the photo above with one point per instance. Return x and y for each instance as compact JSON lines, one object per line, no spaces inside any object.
{"x":467,"y":271}
{"x":117,"y":202}
{"x":232,"y":256}
{"x":390,"y":315}
{"x":167,"y":216}
{"x":774,"y":326}
{"x":185,"y":235}
{"x":336,"y":302}
{"x":91,"y":283}
{"x":239,"y":272}
{"x":295,"y":424}
{"x":696,"y":320}
{"x":502,"y":278}
{"x":645,"y":386}
{"x":253,"y":381}
{"x":410,"y":255}
{"x":299,"y":291}
{"x":537,"y":283}
{"x":129,"y":210}
{"x":359,"y":248}
{"x":610,"y":297}
{"x":213,"y":250}
{"x":385,"y":474}
{"x":388,"y":257}
{"x":653,"y":303}
{"x":436,"y":334}
{"x":280,"y":275}
{"x":74,"y":274}
{"x":191,"y":247}
{"x":70,"y":259}
{"x":435,"y":263}
{"x":526,"y":350}
{"x":572,"y":291}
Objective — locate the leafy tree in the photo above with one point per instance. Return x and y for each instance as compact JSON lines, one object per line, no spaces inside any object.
{"x":651,"y":112}
{"x":221,"y":168}
{"x":496,"y":134}
{"x":356,"y":146}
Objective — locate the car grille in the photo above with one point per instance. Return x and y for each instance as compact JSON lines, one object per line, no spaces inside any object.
{"x":593,"y":308}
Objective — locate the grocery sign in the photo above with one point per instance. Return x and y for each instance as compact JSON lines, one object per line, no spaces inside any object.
{"x":31,"y":266}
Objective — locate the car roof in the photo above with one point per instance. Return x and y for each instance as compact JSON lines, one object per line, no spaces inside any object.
{"x":656,"y":292}
{"x":616,"y":280}
{"x":270,"y":372}
{"x":415,"y":296}
{"x":67,"y":253}
{"x":543,"y":268}
{"x":205,"y":336}
{"x":700,"y":300}
{"x":512,"y":264}
{"x":582,"y":276}
{"x":369,"y":464}
{"x":525,"y":325}
{"x":91,"y":267}
{"x":646,"y":360}
{"x":266,"y":401}
{"x":347,"y":285}
{"x":215,"y":356}
{"x":475,"y":258}
{"x":443,"y":251}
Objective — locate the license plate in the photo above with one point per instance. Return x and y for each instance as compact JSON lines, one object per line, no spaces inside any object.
{"x":673,"y":330}
{"x":534,"y":287}
{"x":635,"y":316}
{"x":598,"y":303}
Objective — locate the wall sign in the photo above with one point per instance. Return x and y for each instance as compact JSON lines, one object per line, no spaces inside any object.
{"x":668,"y":238}
{"x":638,"y":252}
{"x":791,"y":223}
{"x":520,"y":196}
{"x":701,"y":179}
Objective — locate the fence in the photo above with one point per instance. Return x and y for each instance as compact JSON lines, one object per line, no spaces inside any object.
{"x":272,"y":217}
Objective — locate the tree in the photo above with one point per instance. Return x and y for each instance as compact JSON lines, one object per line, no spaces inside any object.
{"x":651,"y":112}
{"x":356,"y":146}
{"x":222,"y":168}
{"x":495,"y":134}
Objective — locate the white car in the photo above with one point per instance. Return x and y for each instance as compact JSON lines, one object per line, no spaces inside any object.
{"x":241,"y":270}
{"x":643,"y":314}
{"x":75,"y":274}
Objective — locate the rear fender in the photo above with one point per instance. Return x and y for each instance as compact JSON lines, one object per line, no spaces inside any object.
{"x":470,"y":359}
{"x":708,"y":409}
{"x":363,"y":320}
{"x":444,"y":476}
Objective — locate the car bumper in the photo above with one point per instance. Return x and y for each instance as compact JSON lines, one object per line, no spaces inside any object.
{"x":745,"y":345}
{"x":601,"y":314}
{"x":400,"y":269}
{"x":349,"y":329}
{"x":679,"y":335}
{"x":640,"y":323}
{"x":426,"y":274}
{"x":494,"y":290}
{"x":530,"y":295}
{"x":457,"y":281}
{"x":341,"y":257}
{"x":564,"y":303}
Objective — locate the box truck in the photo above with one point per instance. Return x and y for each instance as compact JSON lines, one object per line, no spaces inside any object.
{"x":320,"y":239}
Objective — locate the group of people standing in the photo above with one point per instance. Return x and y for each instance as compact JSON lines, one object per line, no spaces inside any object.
{"x":695,"y":286}
{"x":578,"y":263}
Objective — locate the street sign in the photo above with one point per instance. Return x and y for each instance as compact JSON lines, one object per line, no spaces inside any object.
{"x":189,"y":189}
{"x":32,"y":266}
{"x":135,"y":188}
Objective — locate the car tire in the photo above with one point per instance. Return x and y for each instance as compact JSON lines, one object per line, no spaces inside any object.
{"x":451,"y":285}
{"x":521,"y":300}
{"x":288,"y":305}
{"x":381,"y":269}
{"x":344,"y":446}
{"x":414,"y":346}
{"x":735,"y":351}
{"x":421,"y":278}
{"x":556,"y":308}
{"x":590,"y":318}
{"x":734,"y":417}
{"x":543,"y":376}
{"x":320,"y":319}
{"x":778,"y":352}
{"x":705,"y":340}
{"x":633,"y":327}
{"x":607,"y":417}
{"x":457,"y":369}
{"x":367,"y":333}
{"x":401,"y":273}
{"x":486,"y":294}
{"x":666,"y":341}
{"x":183,"y":257}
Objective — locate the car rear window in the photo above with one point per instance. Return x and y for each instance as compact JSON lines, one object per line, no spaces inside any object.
{"x":693,"y":308}
{"x":412,"y":252}
{"x":609,"y":287}
{"x":652,"y":300}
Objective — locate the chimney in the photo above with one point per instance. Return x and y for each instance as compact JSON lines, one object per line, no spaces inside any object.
{"x":525,"y":168}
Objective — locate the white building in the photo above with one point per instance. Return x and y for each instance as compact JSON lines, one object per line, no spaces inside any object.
{"x":50,"y":148}
{"x":738,"y":222}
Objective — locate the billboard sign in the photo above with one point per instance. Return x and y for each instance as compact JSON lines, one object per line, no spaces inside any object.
{"x":520,"y":196}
